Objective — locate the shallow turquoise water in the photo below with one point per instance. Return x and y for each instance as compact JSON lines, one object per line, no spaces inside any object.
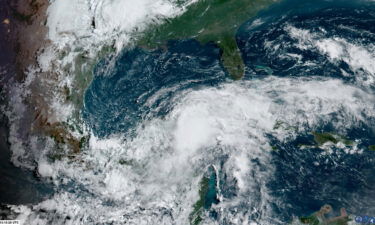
{"x":291,"y":39}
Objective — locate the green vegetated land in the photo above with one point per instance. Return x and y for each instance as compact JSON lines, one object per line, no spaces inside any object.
{"x":210,"y":21}
{"x":207,"y":196}
{"x":319,"y":138}
{"x":322,"y":138}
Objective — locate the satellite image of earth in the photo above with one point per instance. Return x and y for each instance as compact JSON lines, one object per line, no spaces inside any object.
{"x":251,"y":112}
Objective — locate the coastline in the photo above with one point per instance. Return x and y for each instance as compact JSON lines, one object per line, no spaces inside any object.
{"x":24,"y":35}
{"x":216,"y":151}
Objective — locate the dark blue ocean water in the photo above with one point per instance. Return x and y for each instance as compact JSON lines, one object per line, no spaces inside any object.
{"x":341,"y":180}
{"x":17,"y":186}
{"x":351,"y":20}
{"x":115,"y":101}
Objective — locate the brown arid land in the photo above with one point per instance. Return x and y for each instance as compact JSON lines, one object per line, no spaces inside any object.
{"x":24,"y":24}
{"x":24,"y":21}
{"x":21,"y":36}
